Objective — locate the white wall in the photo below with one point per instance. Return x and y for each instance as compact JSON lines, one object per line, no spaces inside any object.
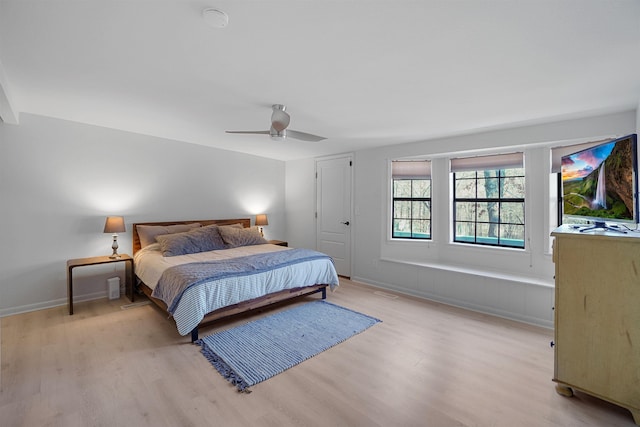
{"x":59,"y":180}
{"x":511,"y":283}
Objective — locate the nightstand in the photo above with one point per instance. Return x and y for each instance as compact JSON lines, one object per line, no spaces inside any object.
{"x":82,"y":262}
{"x":279,"y":242}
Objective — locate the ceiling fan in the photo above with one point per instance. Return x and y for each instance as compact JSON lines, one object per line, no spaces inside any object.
{"x":279,"y":122}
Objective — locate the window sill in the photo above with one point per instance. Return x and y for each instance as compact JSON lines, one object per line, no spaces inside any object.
{"x":476,"y":271}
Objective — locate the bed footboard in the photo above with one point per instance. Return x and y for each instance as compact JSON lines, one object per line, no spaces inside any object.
{"x":242,"y":307}
{"x":253,"y":304}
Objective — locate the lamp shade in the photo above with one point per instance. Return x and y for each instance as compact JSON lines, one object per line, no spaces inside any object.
{"x":114,"y":224}
{"x":261,"y":219}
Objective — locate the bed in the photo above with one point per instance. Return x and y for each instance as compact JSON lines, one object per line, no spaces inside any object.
{"x":206,"y":270}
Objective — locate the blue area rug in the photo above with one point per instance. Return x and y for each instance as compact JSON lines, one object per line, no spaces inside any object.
{"x":258,"y":350}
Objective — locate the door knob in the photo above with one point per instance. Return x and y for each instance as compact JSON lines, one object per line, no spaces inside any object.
{"x":346,"y":223}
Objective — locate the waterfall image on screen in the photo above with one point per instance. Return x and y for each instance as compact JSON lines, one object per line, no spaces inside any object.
{"x":598,"y":183}
{"x":601,"y":190}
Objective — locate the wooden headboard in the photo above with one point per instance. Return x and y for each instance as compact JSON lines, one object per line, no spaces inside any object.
{"x":246,"y":222}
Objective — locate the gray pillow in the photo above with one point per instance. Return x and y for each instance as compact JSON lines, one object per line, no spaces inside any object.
{"x":148,"y":233}
{"x":235,"y":237}
{"x":200,"y":239}
{"x":236,"y":225}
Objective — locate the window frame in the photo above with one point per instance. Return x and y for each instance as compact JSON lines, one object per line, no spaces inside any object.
{"x":497,"y":164}
{"x":411,"y":176}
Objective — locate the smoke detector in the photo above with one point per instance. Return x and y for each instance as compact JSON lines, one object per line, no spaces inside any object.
{"x":215,"y":18}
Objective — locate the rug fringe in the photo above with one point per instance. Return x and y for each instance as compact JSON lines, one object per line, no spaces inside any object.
{"x":223,"y":368}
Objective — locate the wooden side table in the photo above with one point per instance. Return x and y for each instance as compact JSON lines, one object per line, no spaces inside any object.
{"x":82,"y":262}
{"x":279,"y":242}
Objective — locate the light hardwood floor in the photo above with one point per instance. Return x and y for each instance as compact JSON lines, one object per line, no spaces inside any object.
{"x":427,"y":364}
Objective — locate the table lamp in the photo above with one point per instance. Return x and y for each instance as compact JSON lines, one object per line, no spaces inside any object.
{"x":115,"y":225}
{"x":261,"y":220}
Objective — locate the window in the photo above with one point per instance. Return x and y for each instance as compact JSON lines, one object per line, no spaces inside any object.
{"x":411,"y":199}
{"x":488,"y":203}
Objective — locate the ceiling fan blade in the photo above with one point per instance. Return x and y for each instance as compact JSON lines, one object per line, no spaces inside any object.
{"x":304,"y":136}
{"x":279,"y":118}
{"x":254,"y":132}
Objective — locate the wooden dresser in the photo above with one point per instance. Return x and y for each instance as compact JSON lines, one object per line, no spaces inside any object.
{"x":597,"y":315}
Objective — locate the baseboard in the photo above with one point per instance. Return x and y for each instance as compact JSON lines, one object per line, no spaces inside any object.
{"x":519,"y":317}
{"x":51,"y":304}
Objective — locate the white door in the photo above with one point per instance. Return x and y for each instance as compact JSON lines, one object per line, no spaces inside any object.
{"x":333,"y":210}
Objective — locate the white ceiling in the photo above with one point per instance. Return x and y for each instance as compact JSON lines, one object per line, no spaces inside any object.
{"x":361,"y":73}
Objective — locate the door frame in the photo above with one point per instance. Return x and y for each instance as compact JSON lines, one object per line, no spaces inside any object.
{"x":351,"y":157}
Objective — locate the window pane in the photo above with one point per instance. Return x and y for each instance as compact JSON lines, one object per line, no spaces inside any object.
{"x":401,"y":188}
{"x":512,"y":212}
{"x":488,"y":188}
{"x":421,"y":188}
{"x":512,"y":235}
{"x":401,"y":228}
{"x":484,"y":229}
{"x":421,"y":210}
{"x":489,"y":174}
{"x":488,"y":211}
{"x":402,"y":209}
{"x":512,"y":172}
{"x":421,"y":229}
{"x":465,"y":231}
{"x":466,"y":175}
{"x":512,"y":188}
{"x":465,"y":188}
{"x":465,"y":211}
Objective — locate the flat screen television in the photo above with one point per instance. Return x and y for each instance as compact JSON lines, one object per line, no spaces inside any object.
{"x":600,"y":184}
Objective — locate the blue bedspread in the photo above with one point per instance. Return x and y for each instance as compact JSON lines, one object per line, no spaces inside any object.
{"x":176,"y":280}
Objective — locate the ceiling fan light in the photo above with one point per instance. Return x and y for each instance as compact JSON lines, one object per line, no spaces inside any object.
{"x":215,"y":18}
{"x":280,"y":119}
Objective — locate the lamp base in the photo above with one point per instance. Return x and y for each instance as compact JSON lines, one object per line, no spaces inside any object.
{"x":114,"y":246}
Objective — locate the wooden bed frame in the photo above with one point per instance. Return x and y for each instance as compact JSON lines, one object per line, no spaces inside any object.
{"x":232,"y":309}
